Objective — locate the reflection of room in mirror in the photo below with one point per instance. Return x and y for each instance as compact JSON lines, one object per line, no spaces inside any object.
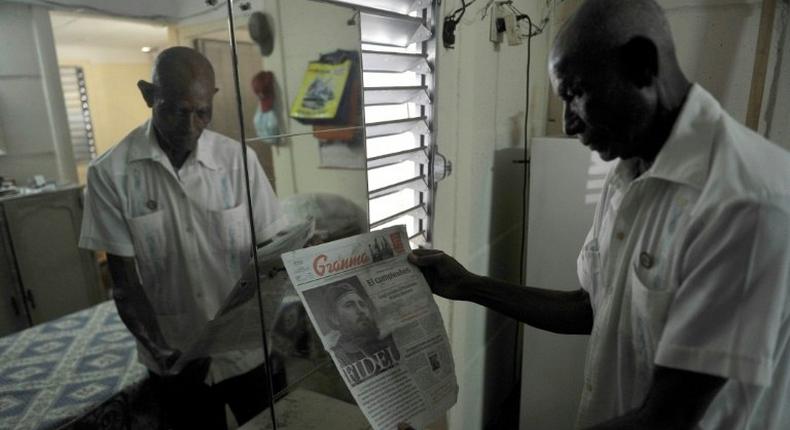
{"x":328,"y":157}
{"x":184,"y":219}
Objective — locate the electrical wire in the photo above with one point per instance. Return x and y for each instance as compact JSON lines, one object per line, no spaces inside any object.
{"x":535,"y":30}
{"x":461,"y":11}
{"x":451,"y":22}
{"x":525,"y":184}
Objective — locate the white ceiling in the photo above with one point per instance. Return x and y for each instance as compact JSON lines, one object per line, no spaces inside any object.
{"x":105,"y":39}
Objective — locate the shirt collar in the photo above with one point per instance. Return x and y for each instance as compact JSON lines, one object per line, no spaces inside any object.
{"x":685,"y":156}
{"x":147,"y":148}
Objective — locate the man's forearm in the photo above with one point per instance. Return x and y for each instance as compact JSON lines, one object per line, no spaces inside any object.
{"x":565,"y":312}
{"x":134,"y":308}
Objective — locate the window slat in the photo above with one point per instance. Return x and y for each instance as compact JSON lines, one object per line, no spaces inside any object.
{"x":416,"y":184}
{"x":373,"y":61}
{"x":393,"y":31}
{"x":386,"y":128}
{"x":417,"y":154}
{"x":397,"y":6}
{"x":397,"y":95}
{"x":418,"y":211}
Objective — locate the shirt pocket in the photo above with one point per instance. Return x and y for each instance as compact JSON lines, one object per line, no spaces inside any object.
{"x":231,"y":228}
{"x":231,"y":235}
{"x":153,"y":255}
{"x":649,"y":307}
{"x":589,"y":268}
{"x":150,"y":243}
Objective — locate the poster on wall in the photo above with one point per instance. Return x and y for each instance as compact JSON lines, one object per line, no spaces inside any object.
{"x":321,"y":91}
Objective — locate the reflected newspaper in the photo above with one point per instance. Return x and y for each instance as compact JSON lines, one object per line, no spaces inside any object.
{"x":378,"y":319}
{"x":237,"y":324}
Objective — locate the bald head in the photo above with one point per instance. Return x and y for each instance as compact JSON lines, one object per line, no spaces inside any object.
{"x":180,"y":97}
{"x":180,"y":65}
{"x":614,"y":65}
{"x":601,"y":26}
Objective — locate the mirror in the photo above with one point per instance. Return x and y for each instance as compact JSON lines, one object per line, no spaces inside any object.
{"x":158,"y":222}
{"x":161,"y":218}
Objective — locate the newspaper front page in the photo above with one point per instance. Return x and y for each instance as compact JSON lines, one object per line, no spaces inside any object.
{"x":376,"y":316}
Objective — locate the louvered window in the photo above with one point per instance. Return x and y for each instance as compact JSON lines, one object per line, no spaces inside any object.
{"x":398,"y":51}
{"x":79,"y":115}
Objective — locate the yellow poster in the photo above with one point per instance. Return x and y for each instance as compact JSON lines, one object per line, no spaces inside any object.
{"x":321,"y":92}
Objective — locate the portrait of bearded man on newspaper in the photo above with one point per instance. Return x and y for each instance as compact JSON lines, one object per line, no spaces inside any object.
{"x":360,"y":349}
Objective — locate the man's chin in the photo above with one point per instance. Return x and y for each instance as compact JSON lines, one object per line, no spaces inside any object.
{"x":604,"y":152}
{"x":606,"y":155}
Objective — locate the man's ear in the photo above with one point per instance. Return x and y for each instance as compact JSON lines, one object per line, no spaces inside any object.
{"x":148,"y":90}
{"x":639,"y":61}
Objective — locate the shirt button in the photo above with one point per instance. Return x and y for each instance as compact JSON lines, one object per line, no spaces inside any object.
{"x":189,"y":229}
{"x":199,"y":295}
{"x":646,"y":260}
{"x":620,"y":235}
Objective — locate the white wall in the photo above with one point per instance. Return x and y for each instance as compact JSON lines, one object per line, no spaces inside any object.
{"x":32,"y":110}
{"x":715,"y":44}
{"x":481,"y":100}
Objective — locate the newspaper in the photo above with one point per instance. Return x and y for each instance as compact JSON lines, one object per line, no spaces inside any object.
{"x":237,"y":324}
{"x":377,"y":318}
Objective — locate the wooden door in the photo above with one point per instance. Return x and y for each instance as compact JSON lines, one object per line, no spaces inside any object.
{"x":225,"y":120}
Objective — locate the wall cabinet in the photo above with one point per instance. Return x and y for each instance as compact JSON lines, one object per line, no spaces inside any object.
{"x":43,"y":274}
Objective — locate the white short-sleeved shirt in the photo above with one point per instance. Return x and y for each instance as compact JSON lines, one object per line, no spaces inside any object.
{"x":188,"y":230}
{"x":688,"y":267}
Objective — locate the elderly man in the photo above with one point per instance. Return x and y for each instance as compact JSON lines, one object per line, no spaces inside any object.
{"x":168,"y":205}
{"x":685,"y":272}
{"x":360,"y":349}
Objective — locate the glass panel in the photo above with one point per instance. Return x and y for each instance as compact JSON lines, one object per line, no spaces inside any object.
{"x":126,"y":259}
{"x":302,"y":101}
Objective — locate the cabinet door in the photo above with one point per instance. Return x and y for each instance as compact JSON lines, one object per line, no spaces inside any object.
{"x":13,"y":316}
{"x":58,"y":278}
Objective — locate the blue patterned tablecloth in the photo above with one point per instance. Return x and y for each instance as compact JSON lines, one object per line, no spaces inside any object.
{"x":56,"y":371}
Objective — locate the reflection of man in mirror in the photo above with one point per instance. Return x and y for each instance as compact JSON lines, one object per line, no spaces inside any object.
{"x":168,"y":205}
{"x":360,"y":350}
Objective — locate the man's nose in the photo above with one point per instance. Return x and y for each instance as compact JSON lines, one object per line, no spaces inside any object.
{"x":572,"y":123}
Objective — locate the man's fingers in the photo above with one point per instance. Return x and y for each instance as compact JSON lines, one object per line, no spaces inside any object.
{"x":425,"y":257}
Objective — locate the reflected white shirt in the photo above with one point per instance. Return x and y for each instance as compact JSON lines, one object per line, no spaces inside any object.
{"x":688,"y":267}
{"x":188,"y":229}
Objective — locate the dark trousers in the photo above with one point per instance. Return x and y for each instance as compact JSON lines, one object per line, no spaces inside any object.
{"x":189,"y":403}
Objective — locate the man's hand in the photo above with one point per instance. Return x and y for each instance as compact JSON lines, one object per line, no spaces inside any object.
{"x":447,"y":277}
